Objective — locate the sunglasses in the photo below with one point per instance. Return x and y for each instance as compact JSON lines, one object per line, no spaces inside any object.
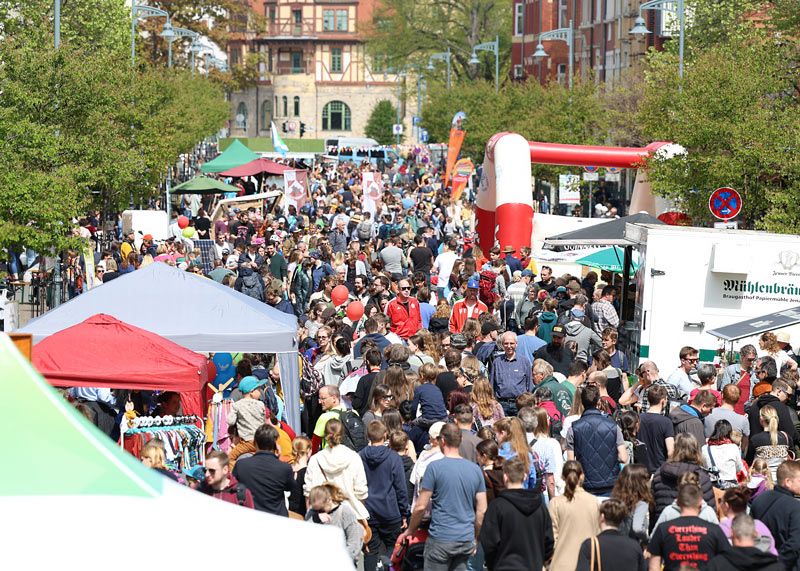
{"x":406,"y":288}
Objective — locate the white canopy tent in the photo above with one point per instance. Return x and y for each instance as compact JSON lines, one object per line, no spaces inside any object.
{"x":195,"y":312}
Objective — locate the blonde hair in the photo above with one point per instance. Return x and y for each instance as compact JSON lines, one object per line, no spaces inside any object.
{"x":300,"y":446}
{"x":761,"y":467}
{"x":769,"y":342}
{"x":325,"y":492}
{"x":482,"y":395}
{"x":154,"y":451}
{"x":769,"y":416}
{"x":516,"y":438}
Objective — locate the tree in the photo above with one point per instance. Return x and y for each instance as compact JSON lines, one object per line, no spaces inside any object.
{"x":379,"y":124}
{"x":410,"y":30}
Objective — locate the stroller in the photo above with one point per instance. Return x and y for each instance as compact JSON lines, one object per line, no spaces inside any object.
{"x":408,"y":555}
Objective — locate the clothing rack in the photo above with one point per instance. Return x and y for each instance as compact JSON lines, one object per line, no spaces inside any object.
{"x":184,"y":443}
{"x":217,"y":425}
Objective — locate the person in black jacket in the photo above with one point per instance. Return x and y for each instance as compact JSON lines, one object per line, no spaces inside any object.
{"x":517,"y":532}
{"x":264,"y":475}
{"x":781,"y":392}
{"x":387,"y":501}
{"x":744,"y":555}
{"x":615,"y":550}
{"x":685,"y":458}
{"x":780,"y":512}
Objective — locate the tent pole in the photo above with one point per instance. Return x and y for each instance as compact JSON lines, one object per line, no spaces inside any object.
{"x":626,"y":280}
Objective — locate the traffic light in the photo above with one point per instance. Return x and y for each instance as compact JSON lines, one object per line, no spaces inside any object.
{"x":302,"y":129}
{"x":283,"y":127}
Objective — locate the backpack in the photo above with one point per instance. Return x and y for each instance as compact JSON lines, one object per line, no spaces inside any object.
{"x":364,"y":231}
{"x":538,"y":466}
{"x":251,"y":286}
{"x":486,"y":285}
{"x":241,"y":494}
{"x":354,"y":433}
{"x":310,"y":379}
{"x":556,"y":426}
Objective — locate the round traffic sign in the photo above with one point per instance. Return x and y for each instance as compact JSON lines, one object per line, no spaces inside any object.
{"x":591,"y":169}
{"x":725,"y":203}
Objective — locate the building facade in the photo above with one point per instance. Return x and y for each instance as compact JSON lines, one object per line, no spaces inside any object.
{"x":312,"y":72}
{"x":603,"y":46}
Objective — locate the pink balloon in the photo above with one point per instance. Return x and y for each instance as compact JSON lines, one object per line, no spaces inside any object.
{"x":355,"y":310}
{"x":183,"y":222}
{"x":339,"y":295}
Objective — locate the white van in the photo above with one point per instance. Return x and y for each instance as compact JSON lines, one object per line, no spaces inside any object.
{"x":342,"y":142}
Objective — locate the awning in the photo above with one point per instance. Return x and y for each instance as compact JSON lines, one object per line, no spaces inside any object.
{"x":611,"y":233}
{"x":203,"y":185}
{"x":235,"y":155}
{"x":757,"y":325}
{"x":608,"y":259}
{"x":257,"y":166}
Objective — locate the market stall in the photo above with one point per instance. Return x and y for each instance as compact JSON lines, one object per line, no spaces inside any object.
{"x":192,"y":311}
{"x":70,"y":484}
{"x":235,"y":155}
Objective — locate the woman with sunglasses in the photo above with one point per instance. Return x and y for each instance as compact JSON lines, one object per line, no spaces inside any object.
{"x":382,"y":400}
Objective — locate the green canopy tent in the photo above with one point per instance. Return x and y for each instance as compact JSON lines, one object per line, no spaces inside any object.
{"x":235,"y":155}
{"x":203,"y":185}
{"x":69,"y":482}
{"x":608,"y":259}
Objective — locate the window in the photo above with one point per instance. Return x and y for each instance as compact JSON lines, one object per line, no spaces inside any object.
{"x":276,"y":104}
{"x":561,"y":72}
{"x":236,"y":55}
{"x":562,"y":14}
{"x":241,"y":116}
{"x":273,"y":14}
{"x":297,"y":16}
{"x":341,"y":20}
{"x":296,"y":106}
{"x":586,"y":12}
{"x":266,"y":114}
{"x":297,"y":62}
{"x":327,"y":20}
{"x":285,"y":106}
{"x":336,"y":60}
{"x":519,"y":18}
{"x":336,"y":117}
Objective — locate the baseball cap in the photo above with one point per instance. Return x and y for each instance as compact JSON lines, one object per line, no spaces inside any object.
{"x":557,"y":330}
{"x":527,"y":274}
{"x":436,"y":429}
{"x":473,"y":283}
{"x":458,"y":341}
{"x":195,"y":472}
{"x":783,"y":337}
{"x":147,"y":237}
{"x":250,"y":383}
{"x":561,"y":289}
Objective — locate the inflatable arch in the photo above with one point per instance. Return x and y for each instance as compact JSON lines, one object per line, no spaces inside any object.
{"x":504,"y":202}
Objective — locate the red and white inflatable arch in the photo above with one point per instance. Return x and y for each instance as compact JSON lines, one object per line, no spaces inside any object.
{"x":504,"y":202}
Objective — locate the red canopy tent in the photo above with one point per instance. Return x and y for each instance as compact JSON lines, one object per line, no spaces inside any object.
{"x":104,"y":352}
{"x":257,"y":166}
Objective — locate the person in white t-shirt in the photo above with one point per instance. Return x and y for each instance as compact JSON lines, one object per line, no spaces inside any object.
{"x":443,"y":265}
{"x":679,"y":379}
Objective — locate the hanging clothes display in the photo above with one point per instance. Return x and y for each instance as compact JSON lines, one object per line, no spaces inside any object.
{"x":217,"y":425}
{"x":184,"y":444}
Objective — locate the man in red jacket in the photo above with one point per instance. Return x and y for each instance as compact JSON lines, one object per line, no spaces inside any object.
{"x":403,"y":312}
{"x":221,"y":484}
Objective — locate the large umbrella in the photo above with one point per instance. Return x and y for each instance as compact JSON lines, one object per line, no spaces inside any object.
{"x":203,"y":185}
{"x":257,"y":166}
{"x":70,"y":483}
{"x":235,"y":155}
{"x":608,"y":259}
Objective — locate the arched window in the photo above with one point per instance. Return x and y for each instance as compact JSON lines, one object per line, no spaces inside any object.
{"x":276,"y":104}
{"x":241,"y":116}
{"x":336,"y":117}
{"x":296,"y":106}
{"x":285,"y":106}
{"x":266,"y":114}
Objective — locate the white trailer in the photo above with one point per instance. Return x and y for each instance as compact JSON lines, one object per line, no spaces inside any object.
{"x":692,"y":280}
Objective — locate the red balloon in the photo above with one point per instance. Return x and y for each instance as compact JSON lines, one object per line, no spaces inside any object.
{"x":183,"y":222}
{"x":339,"y":295}
{"x":355,"y":310}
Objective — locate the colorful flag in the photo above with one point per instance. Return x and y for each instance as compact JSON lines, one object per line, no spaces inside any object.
{"x":277,"y":143}
{"x":295,"y":188}
{"x":372,"y":185}
{"x":462,"y":170}
{"x":457,"y":134}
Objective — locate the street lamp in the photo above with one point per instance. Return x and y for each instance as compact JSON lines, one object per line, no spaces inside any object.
{"x":444,"y":56}
{"x":142,"y":12}
{"x":183,"y":33}
{"x":493,"y":47}
{"x":640,"y":27}
{"x":169,"y":35}
{"x":57,"y":17}
{"x":561,"y":34}
{"x":195,"y":50}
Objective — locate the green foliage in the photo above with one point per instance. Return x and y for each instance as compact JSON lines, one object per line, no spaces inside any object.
{"x":405,"y":30}
{"x":79,"y":128}
{"x":548,"y":114}
{"x":738,"y":115}
{"x":379,"y":124}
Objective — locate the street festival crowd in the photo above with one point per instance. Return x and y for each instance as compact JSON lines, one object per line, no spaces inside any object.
{"x":463,"y":409}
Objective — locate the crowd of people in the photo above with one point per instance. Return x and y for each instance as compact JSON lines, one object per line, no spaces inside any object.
{"x":478,"y":412}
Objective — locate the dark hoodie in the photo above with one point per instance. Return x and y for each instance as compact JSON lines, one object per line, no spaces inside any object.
{"x":687,"y":419}
{"x":387,"y":501}
{"x":665,"y":485}
{"x":517,"y":532}
{"x":785,"y":423}
{"x":547,"y":319}
{"x":744,"y":559}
